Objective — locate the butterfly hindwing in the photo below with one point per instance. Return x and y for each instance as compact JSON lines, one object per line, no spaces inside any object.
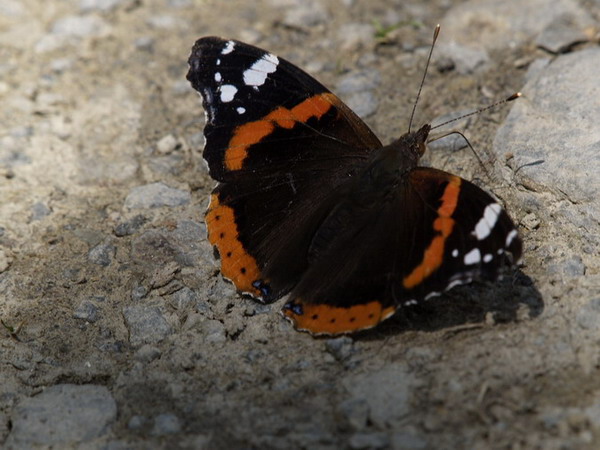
{"x":441,"y":231}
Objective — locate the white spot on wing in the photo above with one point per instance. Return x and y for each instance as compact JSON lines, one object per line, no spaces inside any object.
{"x":218,"y":61}
{"x":509,"y":238}
{"x":455,"y":252}
{"x":240,"y":110}
{"x":488,"y":221}
{"x":228,"y":48}
{"x":487,"y":257}
{"x":218,"y":77}
{"x":473,"y":257}
{"x":431,"y":295}
{"x":257,"y":74}
{"x":228,"y":91}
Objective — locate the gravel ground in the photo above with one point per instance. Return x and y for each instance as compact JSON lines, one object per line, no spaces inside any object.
{"x":118,"y":331}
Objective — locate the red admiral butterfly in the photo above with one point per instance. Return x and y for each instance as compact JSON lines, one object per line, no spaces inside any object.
{"x":309,"y":202}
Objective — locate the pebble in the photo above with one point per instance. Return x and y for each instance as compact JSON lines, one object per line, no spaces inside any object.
{"x":87,"y":311}
{"x":184,"y":298}
{"x":136,"y":422}
{"x":101,"y":5}
{"x":213,"y":331}
{"x":588,"y":316}
{"x":145,"y":43}
{"x":353,"y":36}
{"x":465,"y":59}
{"x":560,"y":35}
{"x":147,"y":353}
{"x":156,"y":195}
{"x":356,"y":90}
{"x":405,"y":440}
{"x":64,"y":415}
{"x":340,"y":348}
{"x":167,"y":144}
{"x":305,"y":15}
{"x":146,"y":324}
{"x":39,"y":210}
{"x":386,"y":391}
{"x":356,"y":412}
{"x":130,"y":226}
{"x":102,"y":254}
{"x":5,"y":261}
{"x":358,"y":82}
{"x":166,"y":424}
{"x":80,"y":26}
{"x":364,"y":104}
{"x":369,"y":440}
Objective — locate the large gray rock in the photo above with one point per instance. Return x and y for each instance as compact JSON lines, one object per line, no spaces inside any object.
{"x":62,"y":415}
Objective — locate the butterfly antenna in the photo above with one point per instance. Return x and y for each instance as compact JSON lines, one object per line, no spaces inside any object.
{"x":515,"y":96}
{"x":436,"y":33}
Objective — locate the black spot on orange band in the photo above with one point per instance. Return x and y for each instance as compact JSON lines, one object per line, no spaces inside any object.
{"x":331,"y":320}
{"x":237,"y":265}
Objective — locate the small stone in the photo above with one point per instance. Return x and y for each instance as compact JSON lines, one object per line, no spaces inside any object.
{"x":358,"y":82}
{"x":146,"y":324}
{"x":80,"y":26}
{"x":465,"y":59}
{"x":407,"y":440}
{"x":305,"y":15}
{"x":102,"y":254}
{"x":340,"y":348}
{"x":167,"y":144}
{"x":588,"y":316}
{"x":145,"y":43}
{"x":184,"y":298}
{"x":561,"y":34}
{"x":62,"y":416}
{"x":354,"y":35}
{"x":100,"y":5}
{"x":39,"y":210}
{"x":4,"y":261}
{"x":213,"y":331}
{"x":147,"y":353}
{"x":369,"y":440}
{"x":136,"y":422}
{"x":131,"y":226}
{"x":86,"y":311}
{"x":364,"y":104}
{"x":531,"y":221}
{"x":163,"y":21}
{"x":156,"y":195}
{"x":166,"y":424}
{"x":387,"y":392}
{"x":138,"y":292}
{"x":356,"y":412}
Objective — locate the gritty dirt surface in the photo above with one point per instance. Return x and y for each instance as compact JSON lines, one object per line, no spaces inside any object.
{"x":99,"y":287}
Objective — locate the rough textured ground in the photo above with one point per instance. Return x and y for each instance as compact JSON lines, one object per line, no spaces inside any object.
{"x":118,"y":331}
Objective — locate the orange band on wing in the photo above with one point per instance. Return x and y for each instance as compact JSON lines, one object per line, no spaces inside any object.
{"x":443,"y":224}
{"x":326,"y":319}
{"x":236,"y":264}
{"x":252,"y":133}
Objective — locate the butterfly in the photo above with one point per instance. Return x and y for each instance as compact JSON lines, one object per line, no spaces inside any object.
{"x":310,"y":203}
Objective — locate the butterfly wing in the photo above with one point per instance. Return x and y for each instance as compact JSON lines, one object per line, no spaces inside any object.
{"x":441,"y":231}
{"x":278,"y":142}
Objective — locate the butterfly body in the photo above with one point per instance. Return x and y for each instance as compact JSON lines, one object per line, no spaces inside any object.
{"x":310,"y":203}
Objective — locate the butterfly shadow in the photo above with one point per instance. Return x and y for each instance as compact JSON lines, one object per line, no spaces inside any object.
{"x":512,"y":299}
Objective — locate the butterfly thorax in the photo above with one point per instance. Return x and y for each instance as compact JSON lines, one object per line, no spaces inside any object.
{"x":392,"y":163}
